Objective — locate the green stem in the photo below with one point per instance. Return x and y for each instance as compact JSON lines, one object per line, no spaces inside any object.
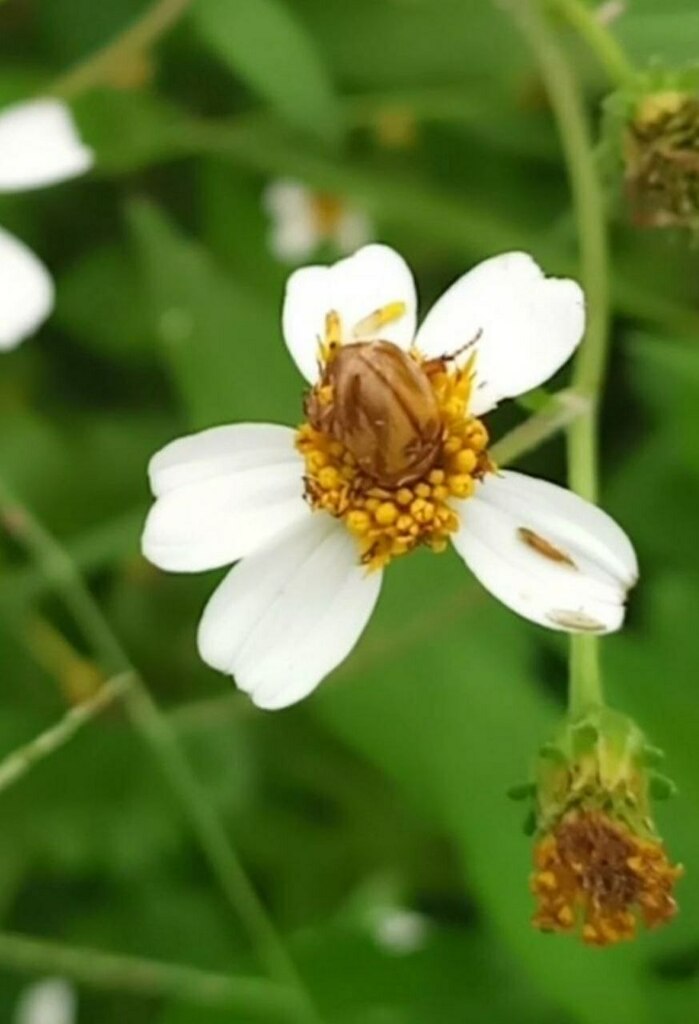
{"x":591,"y":361}
{"x":15,"y":765}
{"x":156,"y":730}
{"x":136,"y":39}
{"x":264,"y":999}
{"x":585,"y":688}
{"x":560,"y":411}
{"x":598,"y":37}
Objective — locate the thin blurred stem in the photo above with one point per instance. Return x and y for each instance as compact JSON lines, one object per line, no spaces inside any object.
{"x":111,"y":541}
{"x":598,"y":37}
{"x":585,"y":688}
{"x":590,"y":365}
{"x":265,"y":999}
{"x":20,"y":761}
{"x":135,"y":40}
{"x":156,"y":730}
{"x":561,"y":410}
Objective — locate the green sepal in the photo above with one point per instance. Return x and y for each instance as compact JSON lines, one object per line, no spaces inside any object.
{"x":584,"y":738}
{"x":551,"y":752}
{"x":653,"y":756}
{"x":530,"y":823}
{"x":662,"y":787}
{"x":521,"y":791}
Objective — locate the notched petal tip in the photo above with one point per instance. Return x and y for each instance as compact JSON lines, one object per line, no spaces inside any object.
{"x":374,"y":277}
{"x":548,"y":554}
{"x":577,"y":622}
{"x":528,"y":325}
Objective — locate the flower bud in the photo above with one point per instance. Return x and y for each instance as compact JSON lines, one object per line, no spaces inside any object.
{"x":661,"y":157}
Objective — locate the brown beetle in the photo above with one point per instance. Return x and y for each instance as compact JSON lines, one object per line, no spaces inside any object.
{"x":379,"y":403}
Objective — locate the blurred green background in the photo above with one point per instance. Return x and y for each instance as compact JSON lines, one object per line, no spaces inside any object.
{"x":385,"y":790}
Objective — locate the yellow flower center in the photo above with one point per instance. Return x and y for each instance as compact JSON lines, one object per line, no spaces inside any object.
{"x":419,"y":506}
{"x":327,"y":212}
{"x":593,"y":872}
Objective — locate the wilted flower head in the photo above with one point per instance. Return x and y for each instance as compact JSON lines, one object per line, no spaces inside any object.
{"x":49,"y":1001}
{"x":599,"y":866}
{"x":302,"y":220}
{"x":661,"y":156}
{"x":39,"y":146}
{"x":392,"y":455}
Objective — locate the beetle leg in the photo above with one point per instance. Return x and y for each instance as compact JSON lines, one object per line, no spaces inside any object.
{"x":387,"y":314}
{"x":439,"y":364}
{"x":464,"y":348}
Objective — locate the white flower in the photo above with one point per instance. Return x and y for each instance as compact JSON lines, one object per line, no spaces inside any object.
{"x":400,"y":931}
{"x":303,"y":219}
{"x":39,"y":146}
{"x":49,"y":1001}
{"x":312,"y":529}
{"x":609,"y":11}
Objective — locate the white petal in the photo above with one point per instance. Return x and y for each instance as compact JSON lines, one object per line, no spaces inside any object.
{"x":39,"y":145}
{"x":286,"y":198}
{"x":285,"y":617}
{"x":353,"y":230}
{"x":294,"y":234}
{"x":531,"y":572}
{"x":293,"y":240}
{"x":26,"y":291}
{"x":526,"y":325}
{"x":355,"y":288}
{"x":222,"y":494}
{"x":50,"y":1001}
{"x":217,"y":451}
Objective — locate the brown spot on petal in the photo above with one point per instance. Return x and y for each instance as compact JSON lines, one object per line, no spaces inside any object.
{"x":576,"y":620}
{"x":544,"y":547}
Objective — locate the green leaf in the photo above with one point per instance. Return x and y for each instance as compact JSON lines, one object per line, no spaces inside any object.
{"x":465,"y":717}
{"x":220,"y":340}
{"x":101,"y":301}
{"x":72,"y":29}
{"x":128,"y":130}
{"x":375,"y":44}
{"x":268,"y":47}
{"x":453,"y":976}
{"x":665,"y":36}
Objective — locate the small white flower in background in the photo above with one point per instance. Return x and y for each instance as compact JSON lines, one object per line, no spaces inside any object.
{"x":39,"y":146}
{"x":302,"y":220}
{"x":400,"y":931}
{"x":609,"y":11}
{"x":49,"y":1001}
{"x":391,"y":455}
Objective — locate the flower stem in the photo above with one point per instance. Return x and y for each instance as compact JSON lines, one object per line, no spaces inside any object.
{"x":157,"y":732}
{"x":15,"y":765}
{"x":559,"y":412}
{"x":590,"y":365}
{"x":205,"y":989}
{"x":136,"y":39}
{"x":598,"y":37}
